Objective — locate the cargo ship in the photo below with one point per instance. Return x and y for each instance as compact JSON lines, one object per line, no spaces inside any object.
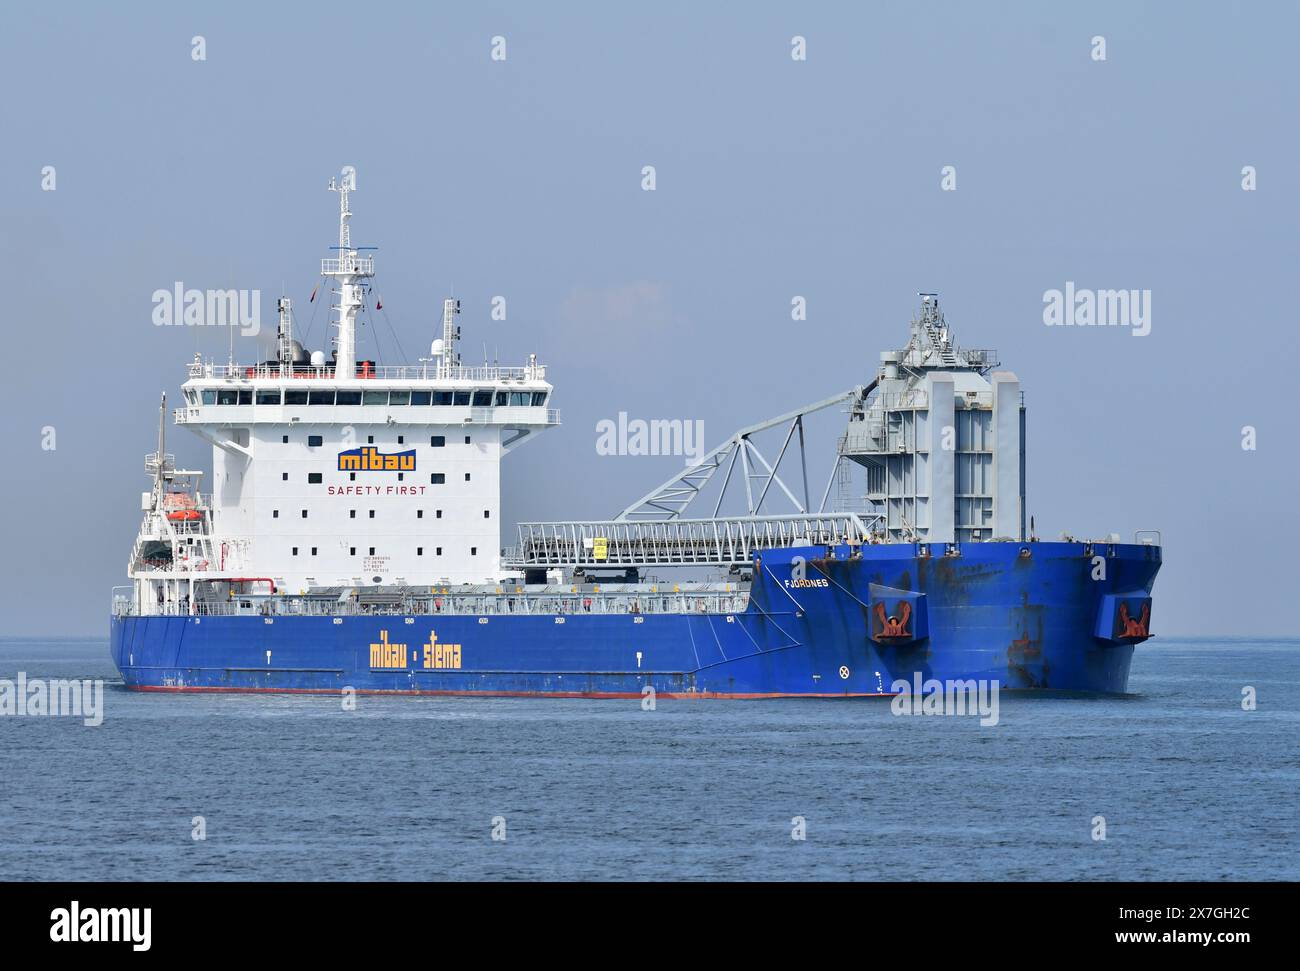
{"x":351,"y":540}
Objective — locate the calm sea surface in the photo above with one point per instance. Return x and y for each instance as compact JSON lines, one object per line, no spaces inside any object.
{"x":294,"y":787}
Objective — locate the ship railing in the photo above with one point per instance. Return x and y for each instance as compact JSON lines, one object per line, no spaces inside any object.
{"x":625,"y":544}
{"x":360,"y":265}
{"x":490,"y":373}
{"x":662,"y":600}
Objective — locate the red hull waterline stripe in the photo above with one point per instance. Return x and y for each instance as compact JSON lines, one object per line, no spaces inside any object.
{"x":685,"y":696}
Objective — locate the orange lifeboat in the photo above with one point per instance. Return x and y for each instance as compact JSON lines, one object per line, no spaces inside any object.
{"x":180,"y":507}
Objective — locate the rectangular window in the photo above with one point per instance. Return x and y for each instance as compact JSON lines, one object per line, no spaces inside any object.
{"x":275,"y":514}
{"x":466,"y":439}
{"x":246,"y":396}
{"x":315,"y":441}
{"x":313,"y":478}
{"x":503,"y":397}
{"x":437,"y":441}
{"x":438,"y":551}
{"x":313,"y":551}
{"x":348,"y":398}
{"x":442,"y":397}
{"x":284,"y":476}
{"x":473,"y":551}
{"x":372,"y":514}
{"x":460,"y":397}
{"x":439,"y":516}
{"x":482,"y":399}
{"x":372,"y":551}
{"x":518,"y":398}
{"x":228,"y":397}
{"x":539,"y":398}
{"x":401,"y":439}
{"x":295,"y":397}
{"x":304,"y":514}
{"x":419,"y":514}
{"x":320,"y":397}
{"x":437,"y":478}
{"x":352,"y":551}
{"x":295,"y":551}
{"x":487,"y":514}
{"x":419,"y":551}
{"x":399,"y":397}
{"x":265,"y":397}
{"x":284,"y":439}
{"x":420,"y":397}
{"x":370,"y":439}
{"x":352,"y":514}
{"x":209,"y":397}
{"x":375,"y":398}
{"x":466,"y":476}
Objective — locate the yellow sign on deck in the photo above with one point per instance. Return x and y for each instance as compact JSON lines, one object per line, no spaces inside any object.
{"x":600,"y":547}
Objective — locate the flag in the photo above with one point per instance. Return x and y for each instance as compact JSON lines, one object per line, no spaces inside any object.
{"x":379,"y":304}
{"x":313,"y":293}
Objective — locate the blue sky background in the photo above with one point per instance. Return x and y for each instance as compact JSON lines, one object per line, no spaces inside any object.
{"x":775,"y":178}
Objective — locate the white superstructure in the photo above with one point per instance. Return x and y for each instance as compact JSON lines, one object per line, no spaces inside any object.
{"x":339,"y":473}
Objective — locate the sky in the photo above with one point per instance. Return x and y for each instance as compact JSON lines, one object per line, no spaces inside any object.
{"x":775,"y":178}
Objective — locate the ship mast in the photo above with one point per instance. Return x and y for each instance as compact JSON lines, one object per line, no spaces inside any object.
{"x":348,"y":269}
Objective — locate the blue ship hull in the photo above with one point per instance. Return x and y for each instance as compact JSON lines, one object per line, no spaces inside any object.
{"x":821,"y":622}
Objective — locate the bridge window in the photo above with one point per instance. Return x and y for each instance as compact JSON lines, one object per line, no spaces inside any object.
{"x":209,"y":397}
{"x":348,"y":398}
{"x":503,"y":398}
{"x":315,"y":441}
{"x":399,"y":397}
{"x":319,"y":397}
{"x":442,"y":397}
{"x":539,"y":398}
{"x":460,"y":397}
{"x":519,"y":398}
{"x":313,"y":478}
{"x":482,"y":399}
{"x":295,"y":397}
{"x":228,"y":397}
{"x":437,"y":441}
{"x":420,"y":397}
{"x":375,"y":398}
